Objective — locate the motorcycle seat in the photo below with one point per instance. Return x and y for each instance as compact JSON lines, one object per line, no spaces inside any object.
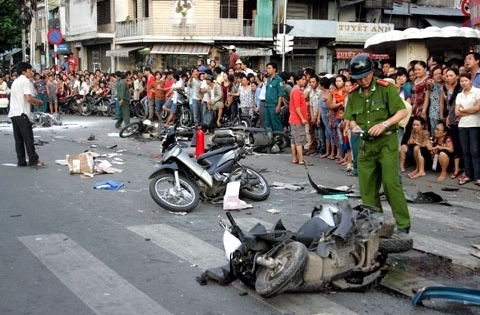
{"x":208,"y":154}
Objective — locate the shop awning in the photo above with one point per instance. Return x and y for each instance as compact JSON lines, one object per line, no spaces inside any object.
{"x":441,"y":22}
{"x":423,"y":11}
{"x":122,"y":52}
{"x":181,"y":49}
{"x":251,"y":51}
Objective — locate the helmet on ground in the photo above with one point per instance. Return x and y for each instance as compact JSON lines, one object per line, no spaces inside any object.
{"x":361,"y":66}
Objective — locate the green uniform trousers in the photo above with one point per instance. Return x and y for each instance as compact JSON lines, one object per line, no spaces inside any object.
{"x":377,"y":165}
{"x":124,"y":115}
{"x":273,"y":121}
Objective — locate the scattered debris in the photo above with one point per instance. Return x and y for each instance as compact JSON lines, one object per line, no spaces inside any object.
{"x":279,"y":185}
{"x":450,"y":189}
{"x":231,"y":200}
{"x":273,"y":211}
{"x":336,"y":197}
{"x":177,"y":213}
{"x":108,"y":185}
{"x":156,"y":155}
{"x":87,"y":164}
{"x":112,"y":146}
{"x":91,"y":138}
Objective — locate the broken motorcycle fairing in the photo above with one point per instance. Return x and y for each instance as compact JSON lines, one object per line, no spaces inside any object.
{"x":464,"y":295}
{"x":338,"y":246}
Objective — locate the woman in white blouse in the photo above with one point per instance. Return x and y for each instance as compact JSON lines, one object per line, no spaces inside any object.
{"x":467,"y":108}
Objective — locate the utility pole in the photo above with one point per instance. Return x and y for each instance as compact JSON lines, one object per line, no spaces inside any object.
{"x":284,"y":33}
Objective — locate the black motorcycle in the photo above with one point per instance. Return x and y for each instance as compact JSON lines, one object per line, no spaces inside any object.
{"x":252,"y":139}
{"x":181,"y":182}
{"x":101,"y":104}
{"x":232,"y":116}
{"x":70,"y":104}
{"x":136,"y":109}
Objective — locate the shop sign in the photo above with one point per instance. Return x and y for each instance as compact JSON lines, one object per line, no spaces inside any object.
{"x":305,"y":43}
{"x":360,"y":32}
{"x":349,"y":54}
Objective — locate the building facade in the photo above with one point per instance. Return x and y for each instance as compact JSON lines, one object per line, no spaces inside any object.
{"x":133,"y":34}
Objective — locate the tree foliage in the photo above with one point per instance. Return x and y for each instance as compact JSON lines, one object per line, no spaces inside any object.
{"x":10,"y":34}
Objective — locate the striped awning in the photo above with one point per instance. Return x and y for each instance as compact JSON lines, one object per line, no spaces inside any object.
{"x":181,"y":49}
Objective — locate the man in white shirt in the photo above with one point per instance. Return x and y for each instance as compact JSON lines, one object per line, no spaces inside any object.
{"x":178,"y":84}
{"x":21,"y":98}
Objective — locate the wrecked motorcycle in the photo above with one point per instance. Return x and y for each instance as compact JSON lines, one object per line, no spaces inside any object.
{"x":146,"y":128}
{"x":181,"y":182}
{"x":252,"y":139}
{"x":39,"y":119}
{"x":337,"y":247}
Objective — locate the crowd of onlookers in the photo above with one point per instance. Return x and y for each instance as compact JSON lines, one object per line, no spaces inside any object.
{"x":442,"y":132}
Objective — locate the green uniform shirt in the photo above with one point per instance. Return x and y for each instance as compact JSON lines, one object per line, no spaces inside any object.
{"x":123,"y":92}
{"x":274,"y":90}
{"x":381,"y":103}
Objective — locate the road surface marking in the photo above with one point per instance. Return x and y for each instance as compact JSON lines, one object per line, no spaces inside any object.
{"x":205,"y":256}
{"x":98,"y":286}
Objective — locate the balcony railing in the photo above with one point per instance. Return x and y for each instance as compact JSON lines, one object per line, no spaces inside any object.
{"x":152,"y":27}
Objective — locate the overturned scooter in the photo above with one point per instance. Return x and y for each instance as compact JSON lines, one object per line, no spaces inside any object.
{"x":251,"y":139}
{"x":337,"y":247}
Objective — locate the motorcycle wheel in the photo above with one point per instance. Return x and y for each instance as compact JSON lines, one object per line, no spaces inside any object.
{"x":257,"y":192}
{"x":130,"y":130}
{"x":186,"y":118}
{"x":164,"y":115}
{"x":245,"y":122}
{"x":111,"y":110}
{"x":104,"y":105}
{"x":83,"y":109}
{"x":292,"y":257}
{"x":397,"y":243}
{"x":162,"y":189}
{"x":139,"y":111}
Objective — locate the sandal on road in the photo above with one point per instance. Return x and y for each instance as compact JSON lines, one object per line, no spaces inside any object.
{"x":305,"y":162}
{"x":463,"y":180}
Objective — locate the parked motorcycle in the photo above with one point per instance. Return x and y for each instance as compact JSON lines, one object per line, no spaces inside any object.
{"x":99,"y":104}
{"x":70,"y":104}
{"x":181,"y":182}
{"x":232,"y":116}
{"x":146,"y":128}
{"x":136,"y":109}
{"x":337,"y":247}
{"x":184,"y":114}
{"x":252,"y":139}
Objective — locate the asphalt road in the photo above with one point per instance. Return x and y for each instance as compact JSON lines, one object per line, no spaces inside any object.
{"x":66,"y":248}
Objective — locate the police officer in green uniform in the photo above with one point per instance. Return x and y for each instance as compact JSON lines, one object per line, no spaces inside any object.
{"x":273,"y":99}
{"x":375,"y":108}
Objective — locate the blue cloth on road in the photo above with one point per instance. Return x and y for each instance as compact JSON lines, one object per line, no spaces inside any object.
{"x":108,"y":185}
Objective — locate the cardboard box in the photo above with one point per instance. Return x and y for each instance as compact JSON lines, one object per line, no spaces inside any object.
{"x":81,"y":163}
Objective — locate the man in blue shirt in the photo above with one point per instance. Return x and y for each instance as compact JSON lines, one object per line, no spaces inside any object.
{"x":472,"y":64}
